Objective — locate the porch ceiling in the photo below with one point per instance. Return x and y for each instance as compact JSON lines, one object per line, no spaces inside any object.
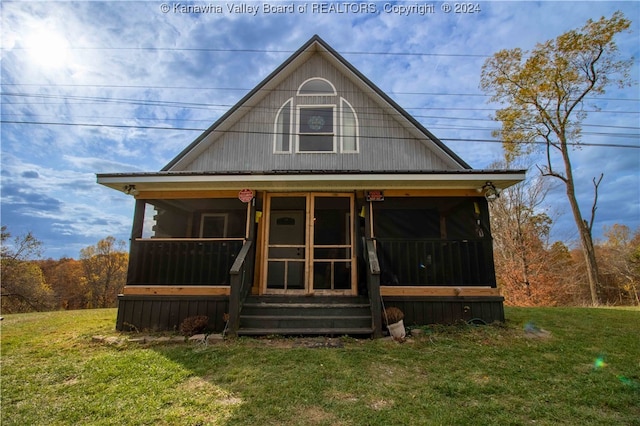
{"x":312,"y":181}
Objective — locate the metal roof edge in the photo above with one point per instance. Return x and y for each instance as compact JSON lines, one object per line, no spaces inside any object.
{"x":312,"y":173}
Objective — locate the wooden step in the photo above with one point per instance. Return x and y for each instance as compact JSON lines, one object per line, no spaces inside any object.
{"x":303,"y":305}
{"x":301,"y":321}
{"x":303,"y":315}
{"x":364,"y":331}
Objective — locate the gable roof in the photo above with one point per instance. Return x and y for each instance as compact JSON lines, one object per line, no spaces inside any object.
{"x":313,"y":46}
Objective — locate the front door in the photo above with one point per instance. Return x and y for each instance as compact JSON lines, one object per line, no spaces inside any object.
{"x":310,"y":246}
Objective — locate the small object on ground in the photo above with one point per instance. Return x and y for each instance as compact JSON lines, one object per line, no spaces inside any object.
{"x":531,"y":330}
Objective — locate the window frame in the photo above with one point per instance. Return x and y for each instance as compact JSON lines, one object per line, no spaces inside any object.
{"x":225,"y":218}
{"x":333,"y":93}
{"x":287,"y":105}
{"x":344,"y":103}
{"x":333,"y":134}
{"x":291,"y":109}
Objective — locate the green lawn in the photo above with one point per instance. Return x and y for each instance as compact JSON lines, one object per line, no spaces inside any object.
{"x":586,"y":372}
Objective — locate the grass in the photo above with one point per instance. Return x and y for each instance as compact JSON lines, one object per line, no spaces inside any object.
{"x":586,"y":372}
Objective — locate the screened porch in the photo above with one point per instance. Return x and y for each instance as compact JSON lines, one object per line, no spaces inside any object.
{"x":433,"y":241}
{"x":186,"y":242}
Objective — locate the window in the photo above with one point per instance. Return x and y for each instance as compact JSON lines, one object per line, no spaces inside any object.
{"x":321,"y":121}
{"x":316,"y":86}
{"x":283,"y":129}
{"x":213,"y":225}
{"x":316,"y":129}
{"x":349,"y":127}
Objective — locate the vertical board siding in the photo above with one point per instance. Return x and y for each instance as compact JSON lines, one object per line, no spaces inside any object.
{"x":162,"y":313}
{"x":447,"y":310}
{"x":384,"y":142}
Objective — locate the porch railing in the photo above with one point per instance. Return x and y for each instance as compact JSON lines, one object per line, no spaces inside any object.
{"x":182,"y":261}
{"x":435,"y":262}
{"x":241,"y":281}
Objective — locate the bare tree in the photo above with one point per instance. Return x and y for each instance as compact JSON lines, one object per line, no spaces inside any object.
{"x":544,"y":96}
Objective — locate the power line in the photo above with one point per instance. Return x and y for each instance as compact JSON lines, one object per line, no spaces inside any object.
{"x":208,"y":120}
{"x":124,"y":126}
{"x":374,"y":117}
{"x":241,"y":89}
{"x":199,"y":105}
{"x":221,"y":50}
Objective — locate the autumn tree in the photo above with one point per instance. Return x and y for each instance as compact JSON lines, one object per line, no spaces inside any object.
{"x":22,"y":284}
{"x":620,"y":259}
{"x":543,"y":93}
{"x":520,"y":229}
{"x":105,"y":271}
{"x":65,"y":276}
{"x":562,"y":270}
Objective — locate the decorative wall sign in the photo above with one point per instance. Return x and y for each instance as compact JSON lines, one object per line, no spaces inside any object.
{"x":375,"y":195}
{"x":245,"y":195}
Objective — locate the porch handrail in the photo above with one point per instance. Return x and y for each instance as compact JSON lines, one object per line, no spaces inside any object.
{"x":372,"y":257}
{"x":239,"y":288}
{"x":373,"y":284}
{"x":242,"y":255}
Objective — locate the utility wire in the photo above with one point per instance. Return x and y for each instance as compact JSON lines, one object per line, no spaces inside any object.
{"x":431,"y":126}
{"x":124,"y":126}
{"x":208,"y":120}
{"x":220,"y":50}
{"x":199,"y":105}
{"x":240,"y":89}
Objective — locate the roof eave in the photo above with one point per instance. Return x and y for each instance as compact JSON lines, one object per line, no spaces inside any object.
{"x":312,"y":181}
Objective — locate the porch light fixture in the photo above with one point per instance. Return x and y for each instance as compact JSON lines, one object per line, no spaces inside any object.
{"x":131,"y":190}
{"x":491,"y":193}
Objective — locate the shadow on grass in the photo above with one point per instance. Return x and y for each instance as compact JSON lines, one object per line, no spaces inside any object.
{"x":539,"y":367}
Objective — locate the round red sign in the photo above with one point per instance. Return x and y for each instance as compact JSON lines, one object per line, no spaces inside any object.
{"x":245,"y":195}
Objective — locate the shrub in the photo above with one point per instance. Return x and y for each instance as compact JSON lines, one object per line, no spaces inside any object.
{"x":194,"y":325}
{"x":393,"y":315}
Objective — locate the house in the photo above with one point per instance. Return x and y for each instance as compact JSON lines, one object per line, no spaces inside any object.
{"x":308,"y":206}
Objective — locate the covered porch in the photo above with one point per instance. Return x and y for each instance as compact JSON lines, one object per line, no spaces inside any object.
{"x":424,"y":247}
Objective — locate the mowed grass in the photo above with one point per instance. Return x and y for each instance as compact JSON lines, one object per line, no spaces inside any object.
{"x":587,"y":371}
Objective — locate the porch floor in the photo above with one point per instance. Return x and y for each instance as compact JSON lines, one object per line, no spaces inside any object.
{"x":303,"y":315}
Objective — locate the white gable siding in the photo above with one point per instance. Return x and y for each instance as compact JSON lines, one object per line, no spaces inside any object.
{"x":385,"y":144}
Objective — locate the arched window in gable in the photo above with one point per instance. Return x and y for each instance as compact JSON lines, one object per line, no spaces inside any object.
{"x":350,"y":129}
{"x":322,"y":123}
{"x":282,"y":130}
{"x":316,"y":87}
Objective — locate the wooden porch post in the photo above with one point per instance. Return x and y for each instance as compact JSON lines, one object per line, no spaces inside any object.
{"x":136,"y":232}
{"x":373,"y":272}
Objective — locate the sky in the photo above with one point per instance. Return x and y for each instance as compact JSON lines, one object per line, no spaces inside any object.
{"x":101,"y":87}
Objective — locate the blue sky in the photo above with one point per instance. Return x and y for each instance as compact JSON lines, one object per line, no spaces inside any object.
{"x":125,"y":67}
